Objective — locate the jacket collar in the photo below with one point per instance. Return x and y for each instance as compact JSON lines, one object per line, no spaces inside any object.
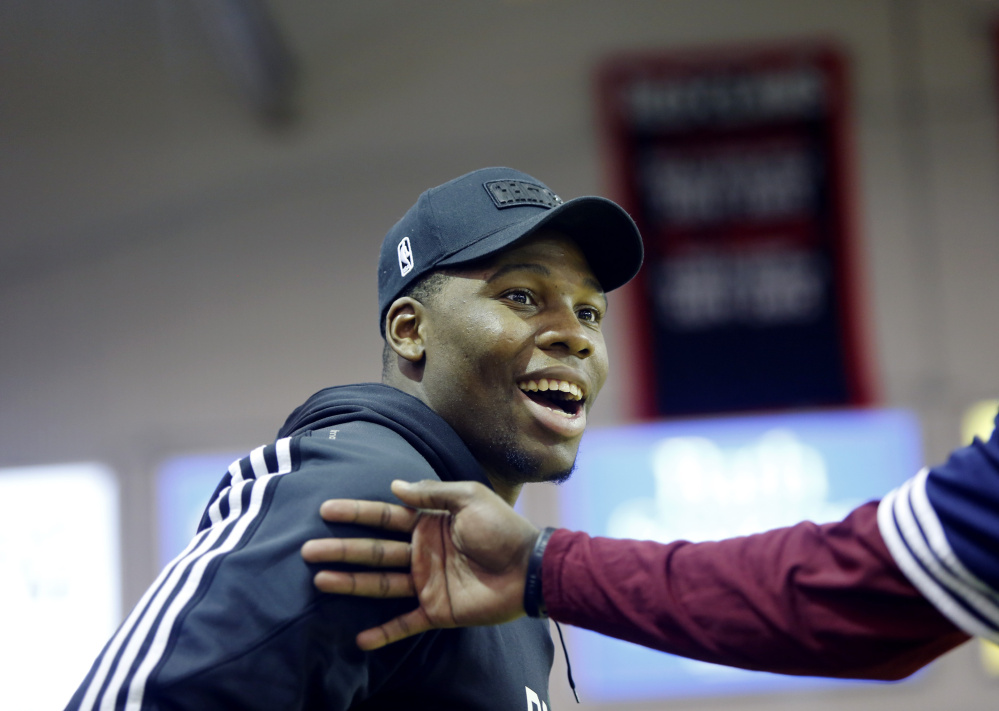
{"x":402,"y":413}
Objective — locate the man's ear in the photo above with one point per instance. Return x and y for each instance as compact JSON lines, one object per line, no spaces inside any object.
{"x":404,"y":328}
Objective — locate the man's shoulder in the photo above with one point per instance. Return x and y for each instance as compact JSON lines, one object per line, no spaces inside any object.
{"x":353,"y":460}
{"x":360,"y":444}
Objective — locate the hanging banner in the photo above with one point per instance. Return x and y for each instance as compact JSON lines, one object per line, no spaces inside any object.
{"x":733,"y":166}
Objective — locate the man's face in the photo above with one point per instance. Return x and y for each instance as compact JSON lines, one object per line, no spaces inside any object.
{"x":515,"y":357}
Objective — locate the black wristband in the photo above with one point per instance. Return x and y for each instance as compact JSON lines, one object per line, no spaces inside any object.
{"x":534,"y":601}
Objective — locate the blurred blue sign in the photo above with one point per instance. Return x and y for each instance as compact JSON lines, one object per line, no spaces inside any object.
{"x":183,"y":487}
{"x":712,"y":479}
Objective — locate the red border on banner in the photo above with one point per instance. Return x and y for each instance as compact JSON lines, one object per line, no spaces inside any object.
{"x":616,"y":156}
{"x":854,"y":295}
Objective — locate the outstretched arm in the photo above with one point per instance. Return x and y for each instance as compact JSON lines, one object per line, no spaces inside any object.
{"x":817,"y":600}
{"x":467,"y":558}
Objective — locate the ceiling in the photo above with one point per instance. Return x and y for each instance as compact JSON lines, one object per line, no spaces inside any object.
{"x":117,"y":118}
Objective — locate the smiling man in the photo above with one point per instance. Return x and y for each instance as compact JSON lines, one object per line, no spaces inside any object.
{"x":492,"y":293}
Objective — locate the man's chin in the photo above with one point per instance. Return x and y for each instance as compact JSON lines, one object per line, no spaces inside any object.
{"x":516,"y":464}
{"x":523,"y":468}
{"x":560,"y":477}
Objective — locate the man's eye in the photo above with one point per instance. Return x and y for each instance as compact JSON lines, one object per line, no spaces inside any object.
{"x":588,"y":314}
{"x":520,"y":296}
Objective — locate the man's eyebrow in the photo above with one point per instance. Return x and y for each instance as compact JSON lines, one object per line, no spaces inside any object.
{"x":526,"y":267}
{"x":543,"y":271}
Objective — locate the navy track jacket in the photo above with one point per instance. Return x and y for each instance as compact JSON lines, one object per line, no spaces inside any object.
{"x":234,"y":621}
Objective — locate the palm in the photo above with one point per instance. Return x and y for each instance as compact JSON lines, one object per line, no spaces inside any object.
{"x":460,"y":574}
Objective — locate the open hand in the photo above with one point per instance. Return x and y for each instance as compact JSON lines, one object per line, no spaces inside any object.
{"x":467,"y":557}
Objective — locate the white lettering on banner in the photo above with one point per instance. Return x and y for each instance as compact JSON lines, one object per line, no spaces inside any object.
{"x":735,"y":184}
{"x":534,"y":703}
{"x":726,"y":97}
{"x":767,"y":287}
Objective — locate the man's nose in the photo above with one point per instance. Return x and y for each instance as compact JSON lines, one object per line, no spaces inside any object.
{"x":561,"y":329}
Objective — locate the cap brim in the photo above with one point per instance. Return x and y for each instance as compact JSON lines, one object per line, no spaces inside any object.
{"x":606,"y":234}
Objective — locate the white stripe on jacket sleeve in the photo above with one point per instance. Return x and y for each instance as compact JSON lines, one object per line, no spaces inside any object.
{"x":917,"y":541}
{"x":138,"y":686}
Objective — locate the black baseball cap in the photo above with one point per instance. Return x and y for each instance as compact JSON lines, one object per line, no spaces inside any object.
{"x":488,"y":210}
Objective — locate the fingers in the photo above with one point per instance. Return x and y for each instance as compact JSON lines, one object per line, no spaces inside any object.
{"x":365,"y":551}
{"x":391,"y":517}
{"x":392,"y":631}
{"x":428,"y":494}
{"x":447,"y":496}
{"x":380,"y":585}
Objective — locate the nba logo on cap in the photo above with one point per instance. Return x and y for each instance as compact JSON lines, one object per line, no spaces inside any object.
{"x":405,"y":252}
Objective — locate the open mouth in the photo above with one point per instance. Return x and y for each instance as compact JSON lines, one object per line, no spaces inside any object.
{"x":559,"y":396}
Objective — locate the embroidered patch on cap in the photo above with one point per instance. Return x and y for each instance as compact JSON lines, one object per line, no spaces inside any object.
{"x":405,"y":252}
{"x":514,"y":193}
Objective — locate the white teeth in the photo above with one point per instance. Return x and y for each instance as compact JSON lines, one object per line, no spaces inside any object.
{"x":571,"y":390}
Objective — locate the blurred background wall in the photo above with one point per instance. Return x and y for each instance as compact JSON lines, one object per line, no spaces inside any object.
{"x":178,"y":269}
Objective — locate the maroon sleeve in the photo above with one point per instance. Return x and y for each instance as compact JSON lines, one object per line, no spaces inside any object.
{"x":814,"y":600}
